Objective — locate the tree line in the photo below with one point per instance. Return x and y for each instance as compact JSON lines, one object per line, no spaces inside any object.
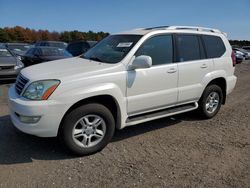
{"x":240,"y":42}
{"x":20,"y":34}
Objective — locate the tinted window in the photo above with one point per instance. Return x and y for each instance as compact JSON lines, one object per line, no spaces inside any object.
{"x":214,"y":46}
{"x":30,"y":51}
{"x":159,"y":48}
{"x":188,"y":48}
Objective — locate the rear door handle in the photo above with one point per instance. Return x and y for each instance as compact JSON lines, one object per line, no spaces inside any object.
{"x":204,"y":66}
{"x":172,"y":70}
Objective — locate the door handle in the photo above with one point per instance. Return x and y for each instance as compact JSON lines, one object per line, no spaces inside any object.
{"x":204,"y":66}
{"x":172,"y":70}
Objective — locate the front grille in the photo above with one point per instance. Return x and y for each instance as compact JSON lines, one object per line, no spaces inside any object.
{"x":21,"y":81}
{"x":6,"y":67}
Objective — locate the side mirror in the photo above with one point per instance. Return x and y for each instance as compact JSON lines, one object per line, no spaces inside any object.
{"x":141,"y":62}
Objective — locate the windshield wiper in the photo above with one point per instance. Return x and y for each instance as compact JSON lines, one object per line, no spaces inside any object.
{"x":95,"y":59}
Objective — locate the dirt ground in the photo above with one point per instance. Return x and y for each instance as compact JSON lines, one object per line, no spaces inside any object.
{"x":182,"y":151}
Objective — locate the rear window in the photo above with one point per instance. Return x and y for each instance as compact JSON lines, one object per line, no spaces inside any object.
{"x":188,"y":48}
{"x":214,"y":46}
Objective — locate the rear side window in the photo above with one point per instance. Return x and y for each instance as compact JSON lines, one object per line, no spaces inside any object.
{"x":214,"y":46}
{"x":159,"y":48}
{"x":188,"y":48}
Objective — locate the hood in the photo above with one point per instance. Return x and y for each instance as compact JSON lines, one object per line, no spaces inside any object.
{"x":8,"y":61}
{"x":66,"y":69}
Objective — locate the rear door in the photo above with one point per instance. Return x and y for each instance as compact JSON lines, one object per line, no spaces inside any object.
{"x":193,"y":66}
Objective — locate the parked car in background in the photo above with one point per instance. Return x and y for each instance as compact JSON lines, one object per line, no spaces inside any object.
{"x":42,"y":54}
{"x":247,"y":48}
{"x":80,"y":47}
{"x":10,"y":65}
{"x":19,"y":49}
{"x":245,"y":52}
{"x":57,"y":44}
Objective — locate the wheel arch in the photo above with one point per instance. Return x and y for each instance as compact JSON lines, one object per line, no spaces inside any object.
{"x":221,"y":82}
{"x":107,"y":100}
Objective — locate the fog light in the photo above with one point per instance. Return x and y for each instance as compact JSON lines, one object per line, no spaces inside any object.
{"x":28,"y":119}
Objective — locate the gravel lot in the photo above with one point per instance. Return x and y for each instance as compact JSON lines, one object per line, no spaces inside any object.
{"x":182,"y":151}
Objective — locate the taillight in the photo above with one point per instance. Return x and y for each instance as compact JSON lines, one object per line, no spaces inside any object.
{"x":233,"y":58}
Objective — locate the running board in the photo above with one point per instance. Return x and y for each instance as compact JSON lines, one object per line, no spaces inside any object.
{"x":132,"y":120}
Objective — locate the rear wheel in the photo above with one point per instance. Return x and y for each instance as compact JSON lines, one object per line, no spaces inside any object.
{"x":210,"y":102}
{"x":88,"y":129}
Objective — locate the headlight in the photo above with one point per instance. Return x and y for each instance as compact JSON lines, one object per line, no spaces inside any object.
{"x":19,"y":64}
{"x":40,"y":90}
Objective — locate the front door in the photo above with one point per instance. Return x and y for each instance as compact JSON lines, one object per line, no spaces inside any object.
{"x":155,"y":87}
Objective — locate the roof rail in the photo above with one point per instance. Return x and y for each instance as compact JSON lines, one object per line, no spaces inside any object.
{"x":196,"y":28}
{"x":157,"y":27}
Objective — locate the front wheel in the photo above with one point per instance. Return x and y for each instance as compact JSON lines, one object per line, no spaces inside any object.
{"x":88,"y":129}
{"x":210,"y":102}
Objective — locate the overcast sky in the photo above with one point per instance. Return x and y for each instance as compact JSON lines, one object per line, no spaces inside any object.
{"x":111,"y":16}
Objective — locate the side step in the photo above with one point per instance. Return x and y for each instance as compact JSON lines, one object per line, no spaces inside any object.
{"x":132,"y":120}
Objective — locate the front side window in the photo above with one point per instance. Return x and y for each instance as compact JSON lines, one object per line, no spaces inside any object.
{"x":159,"y":48}
{"x":188,"y":48}
{"x":112,"y":49}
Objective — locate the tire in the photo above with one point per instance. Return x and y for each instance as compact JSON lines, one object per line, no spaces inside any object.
{"x":211,"y":94}
{"x":81,"y":130}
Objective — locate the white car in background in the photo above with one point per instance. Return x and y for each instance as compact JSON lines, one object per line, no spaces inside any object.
{"x":126,"y":79}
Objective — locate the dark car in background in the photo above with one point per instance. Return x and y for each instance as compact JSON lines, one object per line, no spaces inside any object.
{"x":80,"y":47}
{"x":42,"y":54}
{"x":10,"y":65}
{"x":19,"y":49}
{"x":56,"y":44}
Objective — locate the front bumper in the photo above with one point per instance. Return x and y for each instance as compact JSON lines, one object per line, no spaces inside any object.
{"x":50,"y":111}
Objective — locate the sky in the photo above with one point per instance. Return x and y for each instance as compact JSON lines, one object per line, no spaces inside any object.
{"x":113,"y":16}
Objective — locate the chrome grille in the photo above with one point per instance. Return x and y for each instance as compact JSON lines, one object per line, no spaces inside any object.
{"x":21,"y":81}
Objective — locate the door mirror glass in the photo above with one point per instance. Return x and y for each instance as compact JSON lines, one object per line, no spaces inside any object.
{"x":141,"y":62}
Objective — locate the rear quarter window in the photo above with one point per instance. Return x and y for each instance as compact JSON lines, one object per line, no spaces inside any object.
{"x":214,"y":46}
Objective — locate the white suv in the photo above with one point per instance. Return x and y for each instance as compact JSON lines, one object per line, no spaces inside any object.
{"x":126,"y":79}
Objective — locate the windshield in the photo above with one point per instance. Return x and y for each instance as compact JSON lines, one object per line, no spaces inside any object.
{"x":4,"y":53}
{"x":112,"y":49}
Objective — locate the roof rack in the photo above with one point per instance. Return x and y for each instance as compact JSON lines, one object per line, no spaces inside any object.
{"x":187,"y":28}
{"x":195,"y":28}
{"x":158,"y":27}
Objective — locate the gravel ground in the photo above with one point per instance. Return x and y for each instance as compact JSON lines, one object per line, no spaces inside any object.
{"x":182,"y":151}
